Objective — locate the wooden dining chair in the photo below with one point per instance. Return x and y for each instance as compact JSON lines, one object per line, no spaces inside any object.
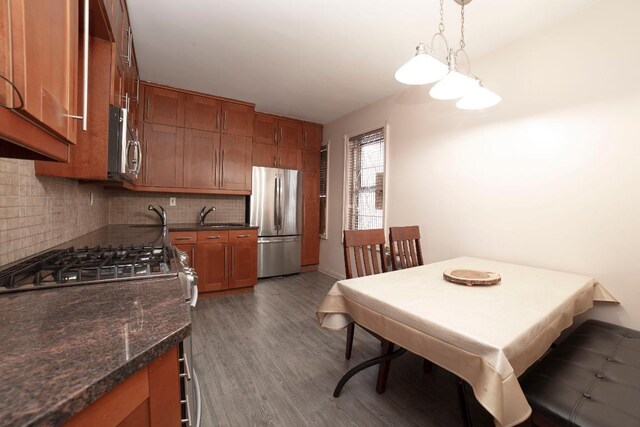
{"x":365,"y":250}
{"x":406,"y":251}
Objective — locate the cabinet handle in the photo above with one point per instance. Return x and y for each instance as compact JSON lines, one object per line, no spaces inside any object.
{"x":275,"y":135}
{"x":218,"y":120}
{"x":146,"y":110}
{"x":187,"y":372}
{"x":129,"y":46}
{"x":225,"y":120}
{"x":85,"y":71}
{"x":275,"y":161}
{"x":305,"y":139}
{"x":280,"y":135}
{"x":242,"y":236}
{"x":187,"y":420}
{"x":183,"y":238}
{"x":222,"y":169}
{"x":212,"y":237}
{"x":137,"y":98}
{"x":215,"y":165}
{"x":146,"y":169}
{"x":226,"y":275}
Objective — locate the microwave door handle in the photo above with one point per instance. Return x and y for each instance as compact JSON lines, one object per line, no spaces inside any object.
{"x":136,"y":158}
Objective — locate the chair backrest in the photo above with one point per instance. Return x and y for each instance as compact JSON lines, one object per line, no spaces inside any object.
{"x":364,"y":246}
{"x":405,"y":247}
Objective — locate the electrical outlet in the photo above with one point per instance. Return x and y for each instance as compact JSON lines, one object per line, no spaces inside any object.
{"x":90,"y":199}
{"x":172,"y":201}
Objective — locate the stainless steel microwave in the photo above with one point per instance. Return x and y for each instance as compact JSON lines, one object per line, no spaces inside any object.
{"x":125,"y":153}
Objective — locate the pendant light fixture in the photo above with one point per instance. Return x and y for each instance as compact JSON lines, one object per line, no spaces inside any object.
{"x":456,"y":83}
{"x":424,"y":67}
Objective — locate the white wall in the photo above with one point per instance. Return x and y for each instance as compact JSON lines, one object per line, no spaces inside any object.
{"x":548,"y":178}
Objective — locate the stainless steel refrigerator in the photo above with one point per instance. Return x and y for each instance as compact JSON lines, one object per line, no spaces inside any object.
{"x":276,"y":209}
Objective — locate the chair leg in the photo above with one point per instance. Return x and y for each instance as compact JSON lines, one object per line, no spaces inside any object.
{"x":464,"y":403}
{"x":427,"y":366}
{"x":350,"y":331}
{"x":383,"y":369}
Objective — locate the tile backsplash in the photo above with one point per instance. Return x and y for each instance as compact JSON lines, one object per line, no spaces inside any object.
{"x":126,"y":207}
{"x":37,"y":213}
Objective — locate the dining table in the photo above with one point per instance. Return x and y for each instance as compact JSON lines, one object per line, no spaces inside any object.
{"x":486,"y":335}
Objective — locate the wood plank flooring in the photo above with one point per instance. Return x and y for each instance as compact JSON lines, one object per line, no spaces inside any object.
{"x":262,"y":359}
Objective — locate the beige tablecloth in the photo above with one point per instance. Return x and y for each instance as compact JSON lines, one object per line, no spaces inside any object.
{"x":486,"y":335}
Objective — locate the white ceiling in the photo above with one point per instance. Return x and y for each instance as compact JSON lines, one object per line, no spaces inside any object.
{"x":313,"y":59}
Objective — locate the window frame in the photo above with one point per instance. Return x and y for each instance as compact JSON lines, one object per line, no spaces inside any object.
{"x":385,"y":166}
{"x":326,"y":196}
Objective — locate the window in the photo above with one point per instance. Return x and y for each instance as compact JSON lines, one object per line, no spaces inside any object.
{"x":324,"y":158}
{"x":365,"y":181}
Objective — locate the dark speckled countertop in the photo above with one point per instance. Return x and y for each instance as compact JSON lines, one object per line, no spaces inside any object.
{"x":63,"y":348}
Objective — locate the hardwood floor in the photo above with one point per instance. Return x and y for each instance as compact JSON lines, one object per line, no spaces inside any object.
{"x":262,"y":359}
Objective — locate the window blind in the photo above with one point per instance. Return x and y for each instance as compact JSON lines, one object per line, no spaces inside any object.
{"x":324,"y":153}
{"x":365,"y":181}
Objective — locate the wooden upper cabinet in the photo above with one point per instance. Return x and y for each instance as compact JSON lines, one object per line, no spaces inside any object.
{"x":202,"y":113}
{"x":312,"y":136}
{"x":289,"y":158}
{"x":265,"y":155}
{"x":289,"y":133}
{"x":163,"y":154}
{"x":235,"y":162}
{"x":311,"y":161}
{"x":200,"y":158}
{"x":237,"y":119}
{"x":164,"y":106}
{"x":44,"y":52}
{"x":265,"y":129}
{"x":116,"y":13}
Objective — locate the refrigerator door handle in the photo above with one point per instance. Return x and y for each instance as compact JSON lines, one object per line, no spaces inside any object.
{"x":276,"y":204}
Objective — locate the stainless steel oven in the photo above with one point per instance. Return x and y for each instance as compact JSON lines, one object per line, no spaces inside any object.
{"x":125,"y":152}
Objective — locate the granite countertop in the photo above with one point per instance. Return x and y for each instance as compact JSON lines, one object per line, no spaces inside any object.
{"x":63,"y":348}
{"x":208,"y":227}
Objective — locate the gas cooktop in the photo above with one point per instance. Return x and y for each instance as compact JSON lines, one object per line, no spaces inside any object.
{"x":81,"y":266}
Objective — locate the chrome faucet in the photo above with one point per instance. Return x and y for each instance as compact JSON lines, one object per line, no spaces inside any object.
{"x":204,"y":212}
{"x":161,"y":213}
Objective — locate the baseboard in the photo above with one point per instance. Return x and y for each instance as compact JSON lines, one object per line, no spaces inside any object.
{"x":306,"y":268}
{"x":331,"y":273}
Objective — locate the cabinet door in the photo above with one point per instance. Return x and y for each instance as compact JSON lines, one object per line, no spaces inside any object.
{"x":265,"y":129}
{"x":116,"y":12}
{"x":163,"y":106}
{"x":312,"y":136}
{"x":289,"y":133}
{"x":200,"y":158}
{"x":202,"y":113}
{"x":243,"y":270}
{"x":235,"y":162}
{"x":310,"y":218}
{"x":163,"y":147}
{"x":265,"y":155}
{"x":45,"y":61}
{"x":237,"y":119}
{"x":311,"y":161}
{"x":289,"y":158}
{"x":212,"y":260}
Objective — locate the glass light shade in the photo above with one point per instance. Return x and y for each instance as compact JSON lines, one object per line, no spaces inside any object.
{"x":455,"y":85}
{"x":421,"y":70}
{"x":478,"y":98}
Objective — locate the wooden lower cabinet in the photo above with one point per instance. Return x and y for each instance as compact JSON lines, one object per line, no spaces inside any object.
{"x":224,"y":260}
{"x":211,"y":261}
{"x":243,"y":268}
{"x":150,"y":397}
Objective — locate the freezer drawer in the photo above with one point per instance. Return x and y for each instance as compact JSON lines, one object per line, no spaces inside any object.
{"x":278,"y":256}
